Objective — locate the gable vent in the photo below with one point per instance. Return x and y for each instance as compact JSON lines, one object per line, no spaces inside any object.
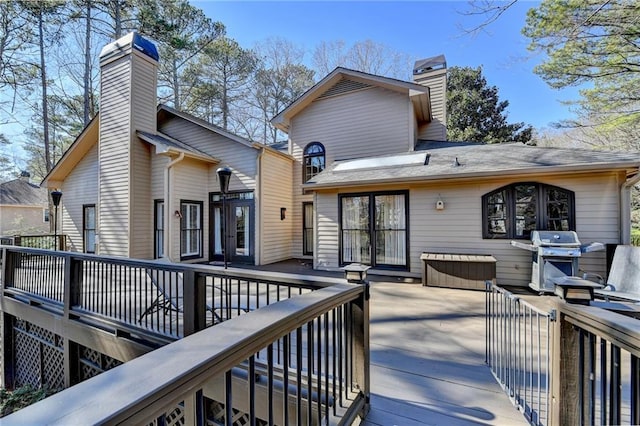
{"x":344,"y":86}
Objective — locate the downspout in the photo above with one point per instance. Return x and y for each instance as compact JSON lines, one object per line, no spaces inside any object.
{"x":167,"y":208}
{"x":259,"y":213}
{"x":625,"y":208}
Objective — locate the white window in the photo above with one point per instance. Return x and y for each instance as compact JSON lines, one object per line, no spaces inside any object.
{"x":191,"y":229}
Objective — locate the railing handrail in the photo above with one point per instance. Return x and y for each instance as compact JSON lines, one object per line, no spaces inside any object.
{"x":618,"y":329}
{"x":307,"y":281}
{"x":143,"y":386}
{"x":517,"y":299}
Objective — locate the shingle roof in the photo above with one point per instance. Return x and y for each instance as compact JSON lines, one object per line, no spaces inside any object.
{"x":162,"y":139}
{"x":472,"y":159}
{"x":20,"y":192}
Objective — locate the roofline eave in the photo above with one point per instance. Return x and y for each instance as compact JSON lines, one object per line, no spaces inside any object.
{"x":461,"y":177}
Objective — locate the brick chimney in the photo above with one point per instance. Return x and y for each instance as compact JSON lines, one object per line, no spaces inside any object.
{"x":128,"y":102}
{"x":432,"y":72}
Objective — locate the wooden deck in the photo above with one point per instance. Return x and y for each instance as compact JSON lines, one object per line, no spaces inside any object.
{"x":428,"y":359}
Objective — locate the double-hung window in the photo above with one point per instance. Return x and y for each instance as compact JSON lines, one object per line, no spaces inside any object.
{"x":89,"y":228}
{"x":190,"y":229}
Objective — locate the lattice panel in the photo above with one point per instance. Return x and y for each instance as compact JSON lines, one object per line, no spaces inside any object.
{"x":93,"y":363}
{"x":175,"y":417}
{"x":39,"y":356}
{"x":215,"y":415}
{"x":27,"y":353}
{"x":53,"y":367}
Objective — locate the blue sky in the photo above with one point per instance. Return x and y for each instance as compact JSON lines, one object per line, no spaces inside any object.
{"x":419,"y":28}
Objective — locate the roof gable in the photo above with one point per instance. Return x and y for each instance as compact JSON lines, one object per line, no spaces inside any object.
{"x":344,"y":80}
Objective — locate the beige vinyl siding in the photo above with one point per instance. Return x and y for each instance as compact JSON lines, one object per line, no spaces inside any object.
{"x":158,"y":165}
{"x":275,"y":192}
{"x":79,"y":188}
{"x":458,"y":228}
{"x":379,"y":123}
{"x":115,"y":133}
{"x":143,"y":117}
{"x":241,"y":158}
{"x":327,"y":231}
{"x":437,"y":83}
{"x":189,"y":183}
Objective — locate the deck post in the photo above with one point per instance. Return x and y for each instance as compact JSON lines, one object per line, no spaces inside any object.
{"x":194,"y":302}
{"x":361,"y":350}
{"x":6,"y":323}
{"x":72,"y":291}
{"x":566,"y":405}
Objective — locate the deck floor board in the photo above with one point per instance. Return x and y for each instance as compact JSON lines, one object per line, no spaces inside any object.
{"x":427,"y":359}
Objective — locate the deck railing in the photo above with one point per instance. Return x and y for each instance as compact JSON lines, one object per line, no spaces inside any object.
{"x":598,"y":356}
{"x":518,"y":351}
{"x":304,"y":361}
{"x":165,"y":299}
{"x":42,"y":241}
{"x":576,"y":364}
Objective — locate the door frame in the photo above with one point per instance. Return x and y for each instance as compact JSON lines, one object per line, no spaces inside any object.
{"x":234,"y":199}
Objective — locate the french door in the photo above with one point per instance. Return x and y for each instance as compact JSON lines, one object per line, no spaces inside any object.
{"x":239,"y":218}
{"x":374,"y":229}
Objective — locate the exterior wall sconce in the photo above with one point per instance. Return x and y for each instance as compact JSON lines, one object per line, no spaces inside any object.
{"x":283,"y":213}
{"x":177,"y":214}
{"x":439,"y":203}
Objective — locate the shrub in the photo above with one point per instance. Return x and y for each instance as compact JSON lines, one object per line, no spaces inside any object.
{"x":635,"y":237}
{"x":24,"y":396}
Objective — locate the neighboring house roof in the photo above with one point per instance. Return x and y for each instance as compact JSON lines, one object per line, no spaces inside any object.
{"x":418,"y":93}
{"x":19,"y":192}
{"x":448,"y":161}
{"x":165,"y":144}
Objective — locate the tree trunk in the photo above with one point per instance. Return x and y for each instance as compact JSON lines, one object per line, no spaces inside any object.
{"x":45,"y":104}
{"x":176,"y":87}
{"x":87,"y":66}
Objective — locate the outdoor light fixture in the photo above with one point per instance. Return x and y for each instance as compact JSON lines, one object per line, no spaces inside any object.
{"x":356,"y":273}
{"x":55,"y":198}
{"x":224,"y":176}
{"x":575,"y":290}
{"x":283,"y":213}
{"x":439,"y":203}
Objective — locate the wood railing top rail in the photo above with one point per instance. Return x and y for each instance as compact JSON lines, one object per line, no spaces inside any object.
{"x":137,"y":390}
{"x":621,"y":330}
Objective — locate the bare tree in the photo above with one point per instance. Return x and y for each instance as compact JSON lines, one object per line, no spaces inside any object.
{"x":366,"y":56}
{"x":279,"y":80}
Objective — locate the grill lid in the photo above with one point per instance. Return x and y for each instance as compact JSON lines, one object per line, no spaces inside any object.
{"x":555,"y":239}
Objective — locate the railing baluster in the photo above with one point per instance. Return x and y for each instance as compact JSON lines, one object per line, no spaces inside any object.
{"x":615,"y":385}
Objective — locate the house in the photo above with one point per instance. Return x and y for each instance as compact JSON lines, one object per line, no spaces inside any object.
{"x":375,"y":181}
{"x":367,"y":177}
{"x":24,"y":207}
{"x":140,"y":180}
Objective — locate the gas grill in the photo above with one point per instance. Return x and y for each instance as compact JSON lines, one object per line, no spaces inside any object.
{"x":555,"y":254}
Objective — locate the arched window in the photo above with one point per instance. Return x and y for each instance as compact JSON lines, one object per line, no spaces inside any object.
{"x":513,"y":211}
{"x":313,"y":160}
